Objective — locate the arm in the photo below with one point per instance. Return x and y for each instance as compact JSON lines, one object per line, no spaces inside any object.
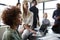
{"x":21,"y":30}
{"x":42,"y":21}
{"x":54,"y":15}
{"x":28,"y":27}
{"x":37,"y":14}
{"x":38,"y":18}
{"x":31,"y":9}
{"x":29,"y":23}
{"x":49,"y":24}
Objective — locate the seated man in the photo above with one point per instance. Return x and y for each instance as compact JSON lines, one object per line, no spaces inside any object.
{"x":45,"y":24}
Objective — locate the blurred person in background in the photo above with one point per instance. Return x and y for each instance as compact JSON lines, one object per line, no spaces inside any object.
{"x":45,"y":24}
{"x":18,"y":5}
{"x":45,"y":20}
{"x":56,"y":17}
{"x":35,"y":11}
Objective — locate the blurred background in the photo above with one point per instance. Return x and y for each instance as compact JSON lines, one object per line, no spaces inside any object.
{"x":44,"y":6}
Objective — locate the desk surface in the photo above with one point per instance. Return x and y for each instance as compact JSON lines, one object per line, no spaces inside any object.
{"x":49,"y":36}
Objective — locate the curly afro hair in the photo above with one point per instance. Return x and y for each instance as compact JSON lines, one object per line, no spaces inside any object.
{"x":10,"y":16}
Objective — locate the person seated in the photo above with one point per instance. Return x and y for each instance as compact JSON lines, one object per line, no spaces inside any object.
{"x":11,"y":17}
{"x":45,"y":20}
{"x":45,"y":24}
{"x":27,"y":22}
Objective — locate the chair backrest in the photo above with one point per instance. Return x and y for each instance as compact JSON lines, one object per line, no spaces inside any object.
{"x":1,"y":32}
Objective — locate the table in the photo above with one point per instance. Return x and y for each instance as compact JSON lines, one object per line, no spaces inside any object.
{"x":49,"y":36}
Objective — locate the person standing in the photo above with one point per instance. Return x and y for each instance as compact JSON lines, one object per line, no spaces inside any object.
{"x":56,"y":17}
{"x":35,"y":10}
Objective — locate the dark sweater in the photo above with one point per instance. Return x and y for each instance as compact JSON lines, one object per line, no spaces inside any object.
{"x":56,"y":14}
{"x":35,"y":15}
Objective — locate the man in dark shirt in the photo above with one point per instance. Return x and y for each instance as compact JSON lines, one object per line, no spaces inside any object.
{"x":34,"y":9}
{"x":56,"y":16}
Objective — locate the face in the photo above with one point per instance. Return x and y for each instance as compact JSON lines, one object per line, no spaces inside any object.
{"x":19,"y":19}
{"x":26,"y":5}
{"x":58,"y":6}
{"x":34,"y":3}
{"x":19,"y":6}
{"x":45,"y":15}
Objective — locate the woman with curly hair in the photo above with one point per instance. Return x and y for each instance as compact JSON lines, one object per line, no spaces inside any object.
{"x":11,"y":17}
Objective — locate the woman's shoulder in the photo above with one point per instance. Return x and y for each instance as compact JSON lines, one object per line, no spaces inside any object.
{"x":7,"y":32}
{"x":6,"y":35}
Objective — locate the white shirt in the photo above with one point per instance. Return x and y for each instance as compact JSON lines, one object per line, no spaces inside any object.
{"x":28,"y":19}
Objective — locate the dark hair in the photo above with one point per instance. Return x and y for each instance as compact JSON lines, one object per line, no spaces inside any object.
{"x":17,"y":4}
{"x":10,"y":16}
{"x":34,"y":1}
{"x":58,"y":5}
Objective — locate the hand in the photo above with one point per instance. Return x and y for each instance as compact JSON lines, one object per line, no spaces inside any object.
{"x":58,"y":17}
{"x":33,"y":31}
{"x":21,"y":30}
{"x":33,"y":34}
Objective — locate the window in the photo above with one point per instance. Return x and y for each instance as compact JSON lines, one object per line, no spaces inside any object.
{"x":40,"y":7}
{"x":9,"y":2}
{"x":2,"y":7}
{"x":1,"y":10}
{"x":49,"y":6}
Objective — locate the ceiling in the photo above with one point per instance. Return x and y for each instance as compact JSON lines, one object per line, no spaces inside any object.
{"x":41,"y":0}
